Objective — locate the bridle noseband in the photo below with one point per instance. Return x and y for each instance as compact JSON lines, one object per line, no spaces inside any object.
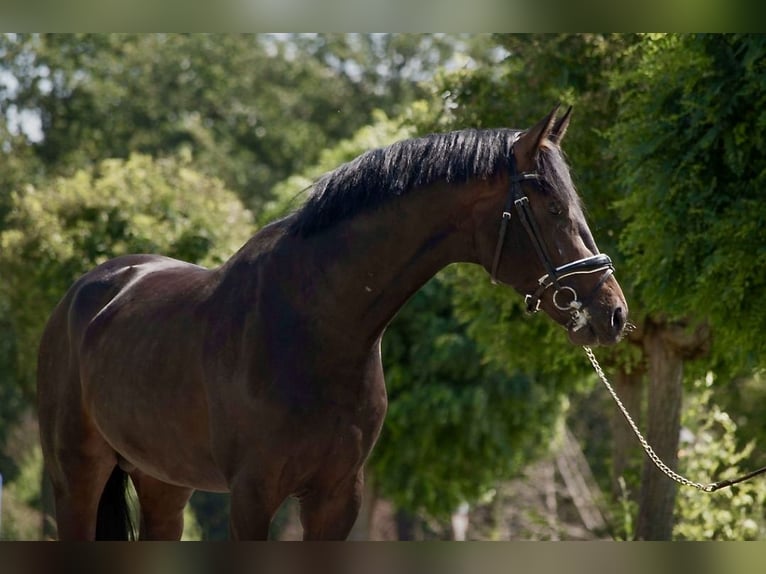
{"x":600,"y":263}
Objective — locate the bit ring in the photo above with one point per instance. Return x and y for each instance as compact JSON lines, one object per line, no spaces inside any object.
{"x":573,"y":304}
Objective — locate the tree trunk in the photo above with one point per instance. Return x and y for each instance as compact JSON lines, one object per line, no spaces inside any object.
{"x":666,"y":345}
{"x":658,"y":492}
{"x":626,"y":450}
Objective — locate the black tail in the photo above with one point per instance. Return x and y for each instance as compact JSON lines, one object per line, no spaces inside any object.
{"x":114,"y":522}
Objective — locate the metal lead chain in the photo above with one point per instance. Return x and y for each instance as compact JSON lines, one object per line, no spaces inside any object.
{"x":669,"y":472}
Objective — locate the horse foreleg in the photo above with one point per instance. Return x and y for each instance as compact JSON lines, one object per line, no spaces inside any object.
{"x":251,"y":511}
{"x":330,"y":514}
{"x":162,"y":507}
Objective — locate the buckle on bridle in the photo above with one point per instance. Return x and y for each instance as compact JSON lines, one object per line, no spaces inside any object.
{"x":533,"y":304}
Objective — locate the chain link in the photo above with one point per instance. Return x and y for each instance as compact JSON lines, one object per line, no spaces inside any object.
{"x":669,"y":472}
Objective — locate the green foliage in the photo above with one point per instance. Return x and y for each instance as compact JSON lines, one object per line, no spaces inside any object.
{"x":11,"y":398}
{"x":692,"y":165}
{"x":21,"y":499}
{"x":744,"y":398}
{"x":253,"y":109}
{"x":20,"y":166}
{"x":248,"y":111}
{"x":26,"y":486}
{"x":666,"y":142}
{"x":713,"y":454}
{"x":626,"y":510}
{"x":496,"y":320}
{"x":57,"y":232}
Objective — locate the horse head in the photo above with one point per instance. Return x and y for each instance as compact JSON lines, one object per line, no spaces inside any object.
{"x":544,"y":248}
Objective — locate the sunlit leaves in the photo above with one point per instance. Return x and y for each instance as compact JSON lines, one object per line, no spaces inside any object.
{"x":710,"y":452}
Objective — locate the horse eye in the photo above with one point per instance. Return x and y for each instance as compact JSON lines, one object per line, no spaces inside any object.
{"x":555,"y":208}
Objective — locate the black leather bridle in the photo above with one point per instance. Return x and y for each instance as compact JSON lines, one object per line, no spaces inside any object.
{"x":599,"y":263}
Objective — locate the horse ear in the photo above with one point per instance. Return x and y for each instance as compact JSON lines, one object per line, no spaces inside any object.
{"x":530,"y":142}
{"x":560,"y":127}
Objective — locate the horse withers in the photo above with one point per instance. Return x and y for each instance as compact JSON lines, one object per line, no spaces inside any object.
{"x":263,"y":377}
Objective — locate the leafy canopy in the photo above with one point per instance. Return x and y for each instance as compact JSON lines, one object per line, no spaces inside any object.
{"x":692,"y":164}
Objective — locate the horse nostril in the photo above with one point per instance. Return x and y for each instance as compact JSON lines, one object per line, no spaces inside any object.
{"x":618,"y":320}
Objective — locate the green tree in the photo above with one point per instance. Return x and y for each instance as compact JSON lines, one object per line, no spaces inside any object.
{"x":693,"y":159}
{"x":691,"y":166}
{"x":250,"y":113}
{"x":19,"y":166}
{"x":393,"y":70}
{"x":253,"y":109}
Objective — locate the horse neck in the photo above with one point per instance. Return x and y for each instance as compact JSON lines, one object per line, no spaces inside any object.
{"x":361,"y":271}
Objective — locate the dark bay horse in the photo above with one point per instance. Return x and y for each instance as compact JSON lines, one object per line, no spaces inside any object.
{"x":263,"y":377}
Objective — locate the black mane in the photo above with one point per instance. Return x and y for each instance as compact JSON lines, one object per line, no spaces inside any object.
{"x":381,"y":174}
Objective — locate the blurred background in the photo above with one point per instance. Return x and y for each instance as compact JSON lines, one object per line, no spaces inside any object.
{"x":497,"y":427}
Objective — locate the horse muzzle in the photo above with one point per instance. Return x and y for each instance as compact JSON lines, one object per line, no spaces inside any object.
{"x":600,"y":317}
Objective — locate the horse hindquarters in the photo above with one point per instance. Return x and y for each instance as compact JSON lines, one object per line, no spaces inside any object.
{"x":77,"y":458}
